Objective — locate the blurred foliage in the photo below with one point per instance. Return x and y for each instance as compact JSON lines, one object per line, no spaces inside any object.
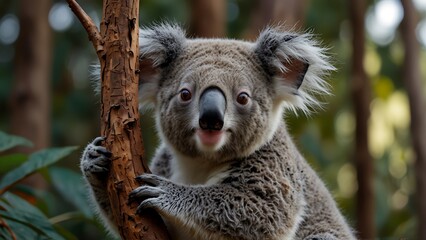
{"x":19,"y":218}
{"x":325,"y":138}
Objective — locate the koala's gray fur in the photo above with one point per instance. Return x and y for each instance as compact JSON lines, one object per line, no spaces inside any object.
{"x":252,"y":183}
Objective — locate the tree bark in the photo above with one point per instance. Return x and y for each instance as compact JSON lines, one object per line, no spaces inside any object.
{"x":117,"y":47}
{"x":30,"y":98}
{"x":360,"y":91}
{"x":413,"y":85}
{"x":289,"y":13}
{"x":208,"y":18}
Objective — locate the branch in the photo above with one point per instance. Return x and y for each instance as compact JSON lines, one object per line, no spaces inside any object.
{"x":88,"y":24}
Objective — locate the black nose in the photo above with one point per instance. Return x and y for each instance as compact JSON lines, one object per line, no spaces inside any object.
{"x":212,"y":109}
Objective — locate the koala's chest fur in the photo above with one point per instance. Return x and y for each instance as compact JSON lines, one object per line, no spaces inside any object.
{"x":192,"y":171}
{"x":266,"y":175}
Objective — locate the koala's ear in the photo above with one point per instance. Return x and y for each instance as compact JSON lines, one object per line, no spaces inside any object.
{"x":296,"y":65}
{"x":159,"y":46}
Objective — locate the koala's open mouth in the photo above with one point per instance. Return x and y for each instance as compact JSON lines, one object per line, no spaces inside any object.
{"x":210,"y":140}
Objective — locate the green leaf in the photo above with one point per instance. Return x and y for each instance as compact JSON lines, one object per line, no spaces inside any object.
{"x":9,"y":141}
{"x":23,"y":231}
{"x":71,"y":186}
{"x":11,"y":201}
{"x":35,"y":162}
{"x":21,"y":211}
{"x":11,"y":161}
{"x":20,"y":229}
{"x":5,"y":233}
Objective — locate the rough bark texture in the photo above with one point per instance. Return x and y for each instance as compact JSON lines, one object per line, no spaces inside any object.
{"x":289,"y":13}
{"x":30,"y":99}
{"x":413,"y":85}
{"x":117,"y":48}
{"x":120,"y":117}
{"x":208,"y":18}
{"x":361,"y":90}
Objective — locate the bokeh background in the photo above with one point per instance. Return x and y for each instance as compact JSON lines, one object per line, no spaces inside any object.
{"x":362,"y":143}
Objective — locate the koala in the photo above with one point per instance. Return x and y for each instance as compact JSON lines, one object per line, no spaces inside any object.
{"x":226,"y":167}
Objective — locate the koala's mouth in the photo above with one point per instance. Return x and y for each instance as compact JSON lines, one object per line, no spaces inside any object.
{"x":210,"y":140}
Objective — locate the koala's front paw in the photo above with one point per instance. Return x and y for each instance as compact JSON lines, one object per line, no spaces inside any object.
{"x":153,"y":195}
{"x":96,"y":159}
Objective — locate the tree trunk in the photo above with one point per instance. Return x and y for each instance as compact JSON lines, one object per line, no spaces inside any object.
{"x":360,"y":91}
{"x":208,"y":18}
{"x":117,"y":46}
{"x":289,"y":13}
{"x":120,"y":117}
{"x":30,"y":98}
{"x":412,"y":81}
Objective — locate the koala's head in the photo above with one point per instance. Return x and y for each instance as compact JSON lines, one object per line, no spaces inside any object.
{"x":221,"y":99}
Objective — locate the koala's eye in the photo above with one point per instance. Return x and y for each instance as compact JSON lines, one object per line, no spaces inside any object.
{"x":185,"y":95}
{"x":243,"y":98}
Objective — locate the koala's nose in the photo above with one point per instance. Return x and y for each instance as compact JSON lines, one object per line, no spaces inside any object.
{"x":212,"y":109}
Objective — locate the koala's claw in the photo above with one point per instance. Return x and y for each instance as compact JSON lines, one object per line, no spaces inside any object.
{"x":148,"y":203}
{"x":149,"y":195}
{"x":144,"y":192}
{"x":96,"y":158}
{"x":97,"y":141}
{"x":103,"y":151}
{"x":149,"y":179}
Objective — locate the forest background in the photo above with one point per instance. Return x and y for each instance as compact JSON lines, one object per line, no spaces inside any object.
{"x":364,"y":143}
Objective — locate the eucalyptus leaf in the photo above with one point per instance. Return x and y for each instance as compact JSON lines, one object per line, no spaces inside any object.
{"x":4,"y":234}
{"x":8,"y":141}
{"x":21,"y":211}
{"x":35,"y":162}
{"x":22,"y":230}
{"x":11,"y":161}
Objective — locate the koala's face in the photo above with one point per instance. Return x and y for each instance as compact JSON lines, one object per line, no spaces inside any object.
{"x":222,"y":99}
{"x":215,"y":100}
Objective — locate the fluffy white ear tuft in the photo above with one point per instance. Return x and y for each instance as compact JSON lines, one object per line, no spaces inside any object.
{"x":159,"y":46}
{"x":161,"y":43}
{"x":297,"y":66}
